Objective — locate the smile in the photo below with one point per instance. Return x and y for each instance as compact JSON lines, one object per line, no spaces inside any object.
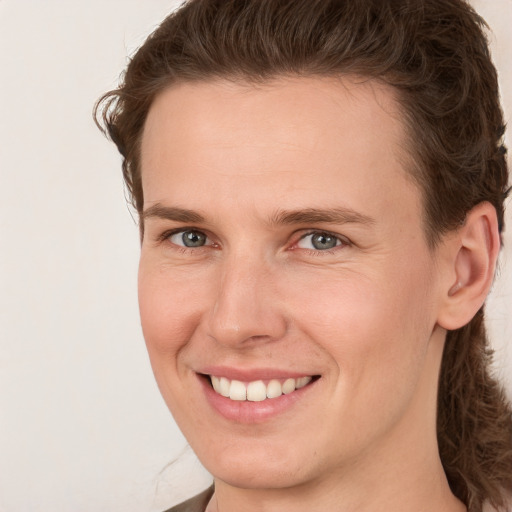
{"x":258,"y":390}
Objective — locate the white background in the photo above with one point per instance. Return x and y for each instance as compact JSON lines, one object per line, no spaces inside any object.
{"x":82,"y":426}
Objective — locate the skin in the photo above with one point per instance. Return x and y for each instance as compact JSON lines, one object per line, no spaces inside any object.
{"x":367,"y":316}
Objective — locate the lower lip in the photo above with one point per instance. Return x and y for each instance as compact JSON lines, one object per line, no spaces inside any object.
{"x":252,"y":412}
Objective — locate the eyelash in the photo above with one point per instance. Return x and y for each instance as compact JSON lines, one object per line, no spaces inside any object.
{"x":343,"y":241}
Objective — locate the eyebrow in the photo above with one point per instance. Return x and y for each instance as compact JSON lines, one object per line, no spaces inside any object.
{"x":172,"y":213}
{"x":281,"y":217}
{"x":319,"y":215}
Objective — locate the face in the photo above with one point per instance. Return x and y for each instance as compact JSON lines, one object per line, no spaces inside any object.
{"x":287,"y":293}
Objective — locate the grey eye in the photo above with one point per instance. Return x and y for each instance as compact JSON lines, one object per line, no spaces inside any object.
{"x":319,"y":241}
{"x":189,"y":238}
{"x":323,"y":241}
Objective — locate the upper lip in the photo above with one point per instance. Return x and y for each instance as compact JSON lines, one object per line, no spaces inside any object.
{"x":252,"y":374}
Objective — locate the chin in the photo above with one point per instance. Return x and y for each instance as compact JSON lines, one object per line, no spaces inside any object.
{"x":256,"y":467}
{"x":255,"y":476}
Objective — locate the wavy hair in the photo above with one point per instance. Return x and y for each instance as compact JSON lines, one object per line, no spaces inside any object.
{"x":435,"y":54}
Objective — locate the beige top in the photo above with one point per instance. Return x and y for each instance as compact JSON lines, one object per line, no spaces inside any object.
{"x":196,"y":504}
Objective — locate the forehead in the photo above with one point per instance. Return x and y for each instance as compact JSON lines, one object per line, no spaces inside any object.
{"x":299,"y":110}
{"x":292,"y":140}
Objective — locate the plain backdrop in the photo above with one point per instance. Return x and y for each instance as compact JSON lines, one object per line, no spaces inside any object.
{"x":82,"y":425}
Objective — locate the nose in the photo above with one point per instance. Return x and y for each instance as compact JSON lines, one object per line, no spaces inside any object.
{"x":246,"y":307}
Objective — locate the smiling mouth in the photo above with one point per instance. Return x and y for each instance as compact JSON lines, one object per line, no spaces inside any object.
{"x":258,"y":390}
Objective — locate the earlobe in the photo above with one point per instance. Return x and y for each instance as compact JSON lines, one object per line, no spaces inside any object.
{"x":472,"y":254}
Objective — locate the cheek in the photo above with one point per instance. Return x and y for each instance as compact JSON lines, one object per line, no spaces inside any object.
{"x":371,"y":305}
{"x":168,"y":310}
{"x":375,"y":327}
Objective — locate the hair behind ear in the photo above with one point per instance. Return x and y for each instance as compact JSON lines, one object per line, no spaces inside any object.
{"x":474,"y":424}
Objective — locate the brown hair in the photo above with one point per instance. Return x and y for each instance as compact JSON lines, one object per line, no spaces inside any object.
{"x":435,"y":54}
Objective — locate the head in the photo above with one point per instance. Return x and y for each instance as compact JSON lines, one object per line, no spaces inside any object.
{"x":428,"y":66}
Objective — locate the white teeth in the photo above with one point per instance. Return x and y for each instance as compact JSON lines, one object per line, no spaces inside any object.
{"x":237,"y":390}
{"x":224,"y":387}
{"x":216,"y":383}
{"x":256,"y":391}
{"x":302,"y":381}
{"x":274,"y":389}
{"x":288,"y":386}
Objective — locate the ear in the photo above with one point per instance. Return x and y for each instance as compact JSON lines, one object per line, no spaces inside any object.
{"x":469,"y":262}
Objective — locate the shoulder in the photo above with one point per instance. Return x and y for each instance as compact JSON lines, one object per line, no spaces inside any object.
{"x":196,"y":504}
